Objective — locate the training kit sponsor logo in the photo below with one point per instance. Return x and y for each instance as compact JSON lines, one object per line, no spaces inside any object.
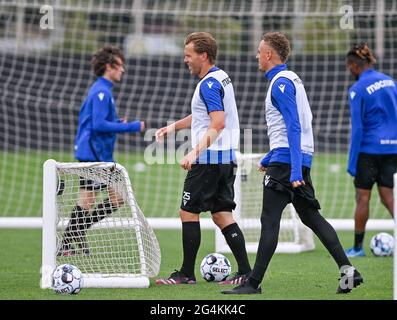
{"x":226,"y":81}
{"x":379,"y":85}
{"x":186,"y":197}
{"x":267,"y":179}
{"x":282,"y":87}
{"x":388,"y":141}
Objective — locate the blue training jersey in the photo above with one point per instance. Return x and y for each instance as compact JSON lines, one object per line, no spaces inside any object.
{"x":99,"y":124}
{"x":373,"y":110}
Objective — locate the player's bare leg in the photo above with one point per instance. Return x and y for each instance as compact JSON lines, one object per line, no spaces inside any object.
{"x":386,"y":196}
{"x":361,"y":214}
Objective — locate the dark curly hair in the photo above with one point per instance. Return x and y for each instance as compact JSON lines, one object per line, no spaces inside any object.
{"x":361,"y":54}
{"x":104,"y":56}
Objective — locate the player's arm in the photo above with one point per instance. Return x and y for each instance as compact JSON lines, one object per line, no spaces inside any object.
{"x":211,"y":93}
{"x":100,"y":110}
{"x":284,"y":99}
{"x":356,"y":109}
{"x":184,"y":123}
{"x":265,"y":161}
{"x":124,"y":120}
{"x":215,"y":128}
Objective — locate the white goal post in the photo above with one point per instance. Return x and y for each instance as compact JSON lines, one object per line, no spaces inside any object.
{"x":294,"y":236}
{"x":114,"y":246}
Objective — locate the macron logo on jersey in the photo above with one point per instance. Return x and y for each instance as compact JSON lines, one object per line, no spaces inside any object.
{"x":379,"y":85}
{"x":352,"y":95}
{"x":101,"y":95}
{"x":282,"y":87}
{"x":210,"y":83}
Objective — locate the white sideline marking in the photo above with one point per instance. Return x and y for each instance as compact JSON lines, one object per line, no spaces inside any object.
{"x":205,"y":223}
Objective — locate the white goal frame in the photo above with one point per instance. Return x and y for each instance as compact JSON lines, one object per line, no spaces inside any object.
{"x":49,"y":241}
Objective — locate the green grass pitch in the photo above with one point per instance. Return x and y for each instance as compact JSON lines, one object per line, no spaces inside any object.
{"x":310,"y":275}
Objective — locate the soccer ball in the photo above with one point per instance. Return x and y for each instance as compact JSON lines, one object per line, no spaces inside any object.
{"x":67,"y":279}
{"x":382,"y":244}
{"x":215,"y":267}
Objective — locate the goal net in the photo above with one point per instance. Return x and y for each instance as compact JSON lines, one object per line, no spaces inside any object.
{"x":45,"y":75}
{"x":294,"y":236}
{"x":109,"y":240}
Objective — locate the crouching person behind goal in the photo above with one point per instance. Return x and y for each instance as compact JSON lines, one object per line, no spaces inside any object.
{"x":96,"y":136}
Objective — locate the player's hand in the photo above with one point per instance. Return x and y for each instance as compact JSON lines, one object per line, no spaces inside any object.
{"x":123,"y":119}
{"x":296,"y":184}
{"x":262,"y":168}
{"x":188,"y":160}
{"x":142,"y":126}
{"x":162,"y":132}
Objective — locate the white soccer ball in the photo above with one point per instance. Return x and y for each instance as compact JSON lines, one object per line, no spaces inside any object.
{"x":382,"y":244}
{"x":67,"y":279}
{"x":215,"y":267}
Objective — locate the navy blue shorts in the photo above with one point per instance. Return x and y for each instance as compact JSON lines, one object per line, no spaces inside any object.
{"x":277,"y":177}
{"x":209,"y":187}
{"x":375,"y":168}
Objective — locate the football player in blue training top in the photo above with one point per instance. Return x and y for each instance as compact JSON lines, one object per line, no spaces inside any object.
{"x":287,"y":167}
{"x":373,"y":145}
{"x":96,"y":136}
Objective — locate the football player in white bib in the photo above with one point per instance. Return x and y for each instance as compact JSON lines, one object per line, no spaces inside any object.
{"x":211,"y":165}
{"x":287,"y":166}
